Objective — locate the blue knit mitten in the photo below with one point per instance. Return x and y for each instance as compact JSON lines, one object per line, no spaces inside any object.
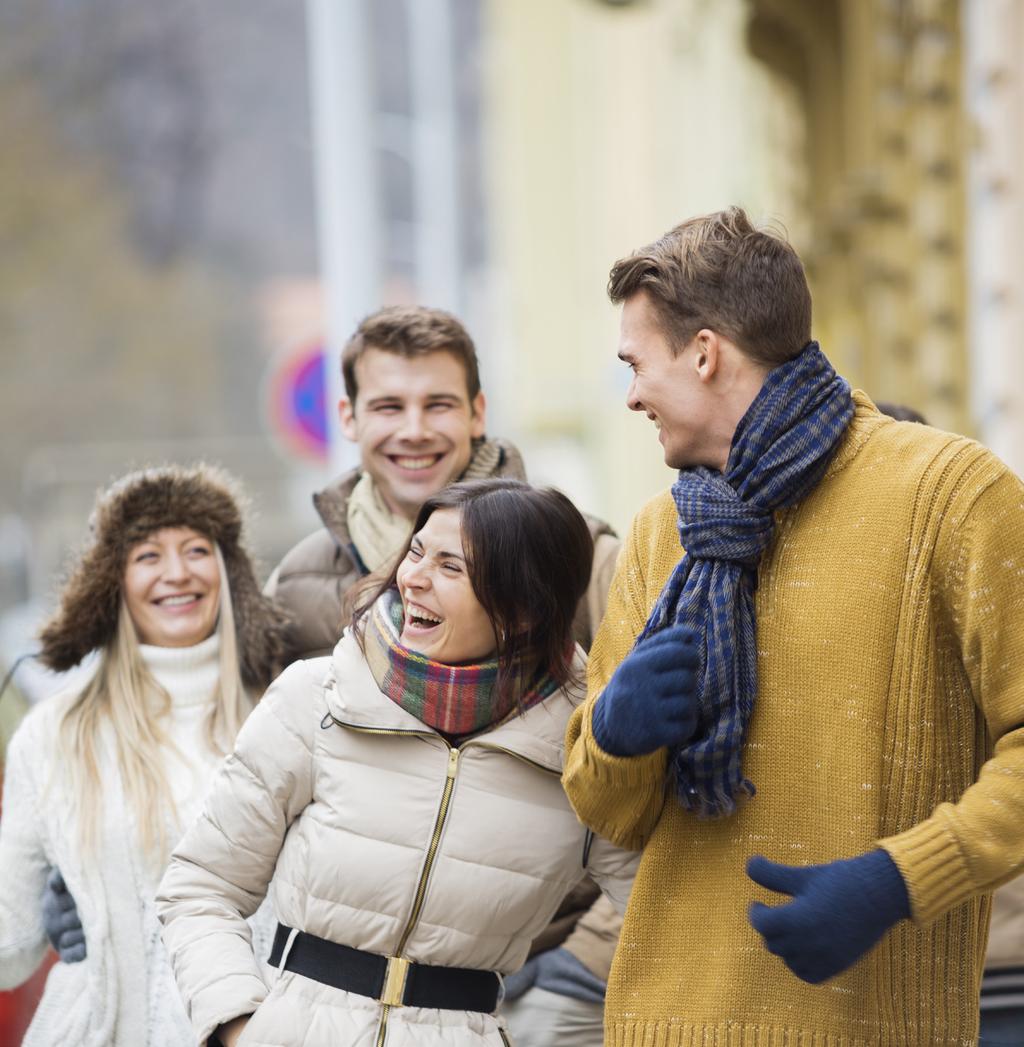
{"x":651,"y":699}
{"x":60,"y":920}
{"x":838,"y":911}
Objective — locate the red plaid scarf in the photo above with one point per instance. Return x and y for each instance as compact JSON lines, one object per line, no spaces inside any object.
{"x":453,"y":699}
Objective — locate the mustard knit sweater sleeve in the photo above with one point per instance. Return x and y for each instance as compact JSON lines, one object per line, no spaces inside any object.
{"x":620,"y":798}
{"x":972,"y":846}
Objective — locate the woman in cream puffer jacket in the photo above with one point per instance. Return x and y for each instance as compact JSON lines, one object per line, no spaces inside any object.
{"x":388,"y":833}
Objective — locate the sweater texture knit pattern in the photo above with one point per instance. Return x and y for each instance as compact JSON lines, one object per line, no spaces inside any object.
{"x":890,"y":616}
{"x":781,"y":449}
{"x":123,"y":993}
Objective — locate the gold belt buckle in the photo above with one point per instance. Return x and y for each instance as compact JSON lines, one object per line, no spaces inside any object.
{"x":394,"y":981}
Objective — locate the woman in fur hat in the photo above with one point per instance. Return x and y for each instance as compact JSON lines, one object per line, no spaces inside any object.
{"x":101,"y":782}
{"x":405,"y":796}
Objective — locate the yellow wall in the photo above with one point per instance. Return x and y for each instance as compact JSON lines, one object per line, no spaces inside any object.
{"x":839,"y":119}
{"x":608,"y":126}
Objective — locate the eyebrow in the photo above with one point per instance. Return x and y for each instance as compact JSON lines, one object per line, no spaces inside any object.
{"x":397,"y":398}
{"x":441,"y":554}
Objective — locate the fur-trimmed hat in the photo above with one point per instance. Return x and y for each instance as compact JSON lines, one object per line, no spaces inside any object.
{"x":201,"y":497}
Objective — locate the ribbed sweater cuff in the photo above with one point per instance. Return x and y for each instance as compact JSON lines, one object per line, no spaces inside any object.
{"x":614,"y":795}
{"x":628,"y":772}
{"x":933,"y":868}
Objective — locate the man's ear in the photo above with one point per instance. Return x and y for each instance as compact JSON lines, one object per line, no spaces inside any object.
{"x":706,"y":357}
{"x":478,"y":423}
{"x":347,"y":414}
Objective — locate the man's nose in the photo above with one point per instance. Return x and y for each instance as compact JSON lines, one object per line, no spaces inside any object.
{"x":633,"y":401}
{"x":414,"y":425}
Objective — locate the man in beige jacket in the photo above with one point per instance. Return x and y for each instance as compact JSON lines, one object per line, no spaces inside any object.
{"x":414,"y":406}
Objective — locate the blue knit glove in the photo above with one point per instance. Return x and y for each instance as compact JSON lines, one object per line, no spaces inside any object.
{"x":838,"y":911}
{"x":519,"y":981}
{"x":651,"y":699}
{"x":60,"y":920}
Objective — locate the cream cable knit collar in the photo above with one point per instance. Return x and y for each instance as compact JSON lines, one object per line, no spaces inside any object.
{"x":188,"y":674}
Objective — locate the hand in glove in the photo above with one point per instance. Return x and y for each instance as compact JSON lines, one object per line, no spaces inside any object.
{"x":60,"y":920}
{"x":518,"y":982}
{"x":651,"y":699}
{"x":838,"y":911}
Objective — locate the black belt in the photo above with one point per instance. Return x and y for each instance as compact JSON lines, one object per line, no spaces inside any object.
{"x":391,"y":980}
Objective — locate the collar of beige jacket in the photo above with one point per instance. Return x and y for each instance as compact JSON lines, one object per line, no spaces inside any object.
{"x":537,"y":736}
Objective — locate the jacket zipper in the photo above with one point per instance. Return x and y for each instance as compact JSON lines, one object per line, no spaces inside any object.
{"x":435,"y":836}
{"x":514,"y":755}
{"x":435,"y":840}
{"x":331,"y":718}
{"x":428,"y":865}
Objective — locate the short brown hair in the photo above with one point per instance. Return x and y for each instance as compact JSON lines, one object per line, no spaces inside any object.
{"x":719,"y":271}
{"x":409,"y":331}
{"x":528,"y":556}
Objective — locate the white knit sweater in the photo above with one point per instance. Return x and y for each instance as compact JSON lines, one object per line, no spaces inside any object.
{"x":189,"y":675}
{"x":123,"y":992}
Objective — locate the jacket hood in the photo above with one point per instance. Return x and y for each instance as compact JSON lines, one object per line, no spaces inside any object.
{"x":201,"y":497}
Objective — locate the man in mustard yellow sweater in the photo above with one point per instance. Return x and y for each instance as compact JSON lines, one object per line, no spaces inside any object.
{"x":812,"y":720}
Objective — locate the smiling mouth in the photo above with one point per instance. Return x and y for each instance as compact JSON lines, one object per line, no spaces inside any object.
{"x":415,"y":463}
{"x":420,"y":617}
{"x":182,"y":600}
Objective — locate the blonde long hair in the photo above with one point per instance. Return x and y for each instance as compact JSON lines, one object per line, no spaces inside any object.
{"x":124,"y":696}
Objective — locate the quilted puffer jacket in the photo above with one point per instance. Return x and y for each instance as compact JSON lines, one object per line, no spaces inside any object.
{"x":380,"y":836}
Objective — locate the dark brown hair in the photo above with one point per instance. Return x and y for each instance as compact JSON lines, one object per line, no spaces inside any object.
{"x":718,"y":271}
{"x":528,"y":556}
{"x":901,"y":412}
{"x":409,"y":331}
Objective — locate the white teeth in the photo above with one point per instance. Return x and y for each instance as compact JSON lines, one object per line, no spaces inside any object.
{"x":416,"y":463}
{"x":177,"y":601}
{"x":415,"y":611}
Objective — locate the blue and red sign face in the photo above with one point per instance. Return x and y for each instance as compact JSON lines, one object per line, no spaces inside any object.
{"x":297,"y":402}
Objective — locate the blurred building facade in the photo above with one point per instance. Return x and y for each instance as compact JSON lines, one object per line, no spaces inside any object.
{"x":180,"y":205}
{"x":845,"y":121}
{"x":994,"y":79}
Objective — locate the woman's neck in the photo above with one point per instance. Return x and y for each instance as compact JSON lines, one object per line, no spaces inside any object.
{"x":188,"y":674}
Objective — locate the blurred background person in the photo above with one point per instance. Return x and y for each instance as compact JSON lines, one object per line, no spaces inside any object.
{"x":101,"y":781}
{"x":901,"y":412}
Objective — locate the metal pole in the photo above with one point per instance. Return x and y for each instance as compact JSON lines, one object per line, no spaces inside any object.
{"x":434,"y":153}
{"x":344,"y":167}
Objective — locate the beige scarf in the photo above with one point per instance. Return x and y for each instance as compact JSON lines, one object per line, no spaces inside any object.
{"x":377,"y":532}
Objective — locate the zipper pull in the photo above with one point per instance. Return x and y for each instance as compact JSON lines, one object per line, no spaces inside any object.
{"x":453,"y":762}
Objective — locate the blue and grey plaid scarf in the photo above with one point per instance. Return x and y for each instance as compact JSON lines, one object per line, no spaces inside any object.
{"x":780,"y":450}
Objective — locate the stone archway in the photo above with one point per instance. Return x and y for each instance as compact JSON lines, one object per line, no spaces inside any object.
{"x":880,"y":87}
